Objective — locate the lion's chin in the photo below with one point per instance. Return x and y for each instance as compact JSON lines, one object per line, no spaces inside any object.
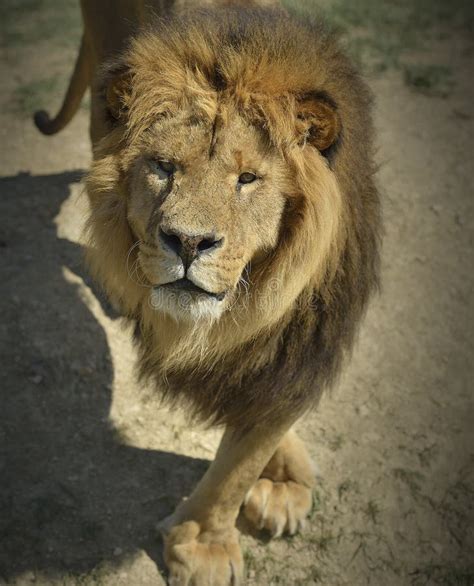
{"x":186,"y":305}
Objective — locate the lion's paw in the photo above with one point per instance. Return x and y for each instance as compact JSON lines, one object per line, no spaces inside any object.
{"x":278,"y":506}
{"x":203,"y":558}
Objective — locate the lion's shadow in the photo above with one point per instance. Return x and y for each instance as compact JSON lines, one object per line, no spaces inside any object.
{"x":71,"y":494}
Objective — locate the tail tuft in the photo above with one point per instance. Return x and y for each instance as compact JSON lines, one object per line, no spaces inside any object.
{"x":44,"y":123}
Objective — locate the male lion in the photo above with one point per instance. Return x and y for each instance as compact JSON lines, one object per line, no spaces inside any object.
{"x":233,"y":171}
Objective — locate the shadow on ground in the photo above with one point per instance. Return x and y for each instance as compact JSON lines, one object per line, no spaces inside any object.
{"x":72,"y":495}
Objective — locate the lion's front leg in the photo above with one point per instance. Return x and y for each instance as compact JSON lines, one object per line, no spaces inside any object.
{"x":201,"y":545}
{"x":281,"y":499}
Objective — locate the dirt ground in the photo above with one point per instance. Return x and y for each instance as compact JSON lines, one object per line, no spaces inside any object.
{"x":89,"y":461}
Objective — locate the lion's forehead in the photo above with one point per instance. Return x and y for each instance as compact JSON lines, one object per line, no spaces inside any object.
{"x":188,"y":139}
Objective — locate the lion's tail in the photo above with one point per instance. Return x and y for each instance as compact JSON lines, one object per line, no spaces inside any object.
{"x":78,"y":84}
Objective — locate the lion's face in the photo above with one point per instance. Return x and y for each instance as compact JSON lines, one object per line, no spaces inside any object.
{"x":205,"y":200}
{"x":212,"y":185}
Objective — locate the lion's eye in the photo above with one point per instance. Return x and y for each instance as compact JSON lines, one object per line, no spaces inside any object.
{"x":247,"y":177}
{"x":164,"y":168}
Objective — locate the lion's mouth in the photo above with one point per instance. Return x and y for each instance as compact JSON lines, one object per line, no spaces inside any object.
{"x":185,"y":285}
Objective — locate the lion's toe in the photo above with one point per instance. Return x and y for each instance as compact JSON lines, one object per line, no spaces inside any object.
{"x":202,"y":558}
{"x":278,"y":507}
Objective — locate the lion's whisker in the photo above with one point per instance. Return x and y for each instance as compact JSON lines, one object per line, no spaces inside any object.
{"x":133,"y":270}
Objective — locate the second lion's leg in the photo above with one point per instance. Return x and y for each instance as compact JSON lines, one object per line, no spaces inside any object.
{"x":281,"y":498}
{"x":201,"y":541}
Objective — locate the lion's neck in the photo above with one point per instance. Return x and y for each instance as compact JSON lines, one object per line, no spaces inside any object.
{"x":172,"y":345}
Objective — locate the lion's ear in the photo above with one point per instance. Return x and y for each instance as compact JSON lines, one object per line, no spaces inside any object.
{"x":118,"y":89}
{"x":317,"y":122}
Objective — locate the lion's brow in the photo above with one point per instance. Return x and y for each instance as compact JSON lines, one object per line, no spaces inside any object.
{"x":212,"y":144}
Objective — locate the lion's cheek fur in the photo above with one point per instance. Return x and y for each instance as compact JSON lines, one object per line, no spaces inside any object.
{"x":158,"y":268}
{"x":264,"y":216}
{"x":311,"y":239}
{"x":109,"y":254}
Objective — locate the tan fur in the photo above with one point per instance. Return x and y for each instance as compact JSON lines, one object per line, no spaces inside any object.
{"x":200,"y":538}
{"x":216,"y":94}
{"x":309,"y":257}
{"x":201,"y":541}
{"x":281,"y":499}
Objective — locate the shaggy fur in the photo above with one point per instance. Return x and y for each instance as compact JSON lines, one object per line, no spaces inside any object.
{"x":259,"y":360}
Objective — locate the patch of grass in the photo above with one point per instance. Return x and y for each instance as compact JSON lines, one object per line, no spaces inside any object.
{"x":427,"y":455}
{"x":279,"y":579}
{"x":291,"y":540}
{"x":27,"y":22}
{"x":323,"y":541}
{"x":317,"y":504}
{"x":372,"y":511}
{"x":346,"y":487}
{"x":336,"y":442}
{"x":443,"y":575}
{"x":432,"y":80}
{"x":412,"y":478}
{"x":249,"y":559}
{"x":97,"y":577}
{"x":35,"y":95}
{"x":380,"y":34}
{"x":314,"y":576}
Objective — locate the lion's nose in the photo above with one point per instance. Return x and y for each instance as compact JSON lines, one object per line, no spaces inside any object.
{"x":188,"y":246}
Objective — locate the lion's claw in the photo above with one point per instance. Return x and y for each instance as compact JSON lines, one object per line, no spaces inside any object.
{"x":278,"y":507}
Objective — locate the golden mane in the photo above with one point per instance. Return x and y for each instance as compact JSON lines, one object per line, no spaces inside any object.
{"x":284,"y":338}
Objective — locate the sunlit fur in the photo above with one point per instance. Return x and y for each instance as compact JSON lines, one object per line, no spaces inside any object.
{"x":292,"y":314}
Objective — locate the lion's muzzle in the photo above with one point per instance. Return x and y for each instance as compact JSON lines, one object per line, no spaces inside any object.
{"x":189,"y":246}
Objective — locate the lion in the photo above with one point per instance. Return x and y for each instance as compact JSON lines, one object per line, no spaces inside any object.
{"x":235,"y":220}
